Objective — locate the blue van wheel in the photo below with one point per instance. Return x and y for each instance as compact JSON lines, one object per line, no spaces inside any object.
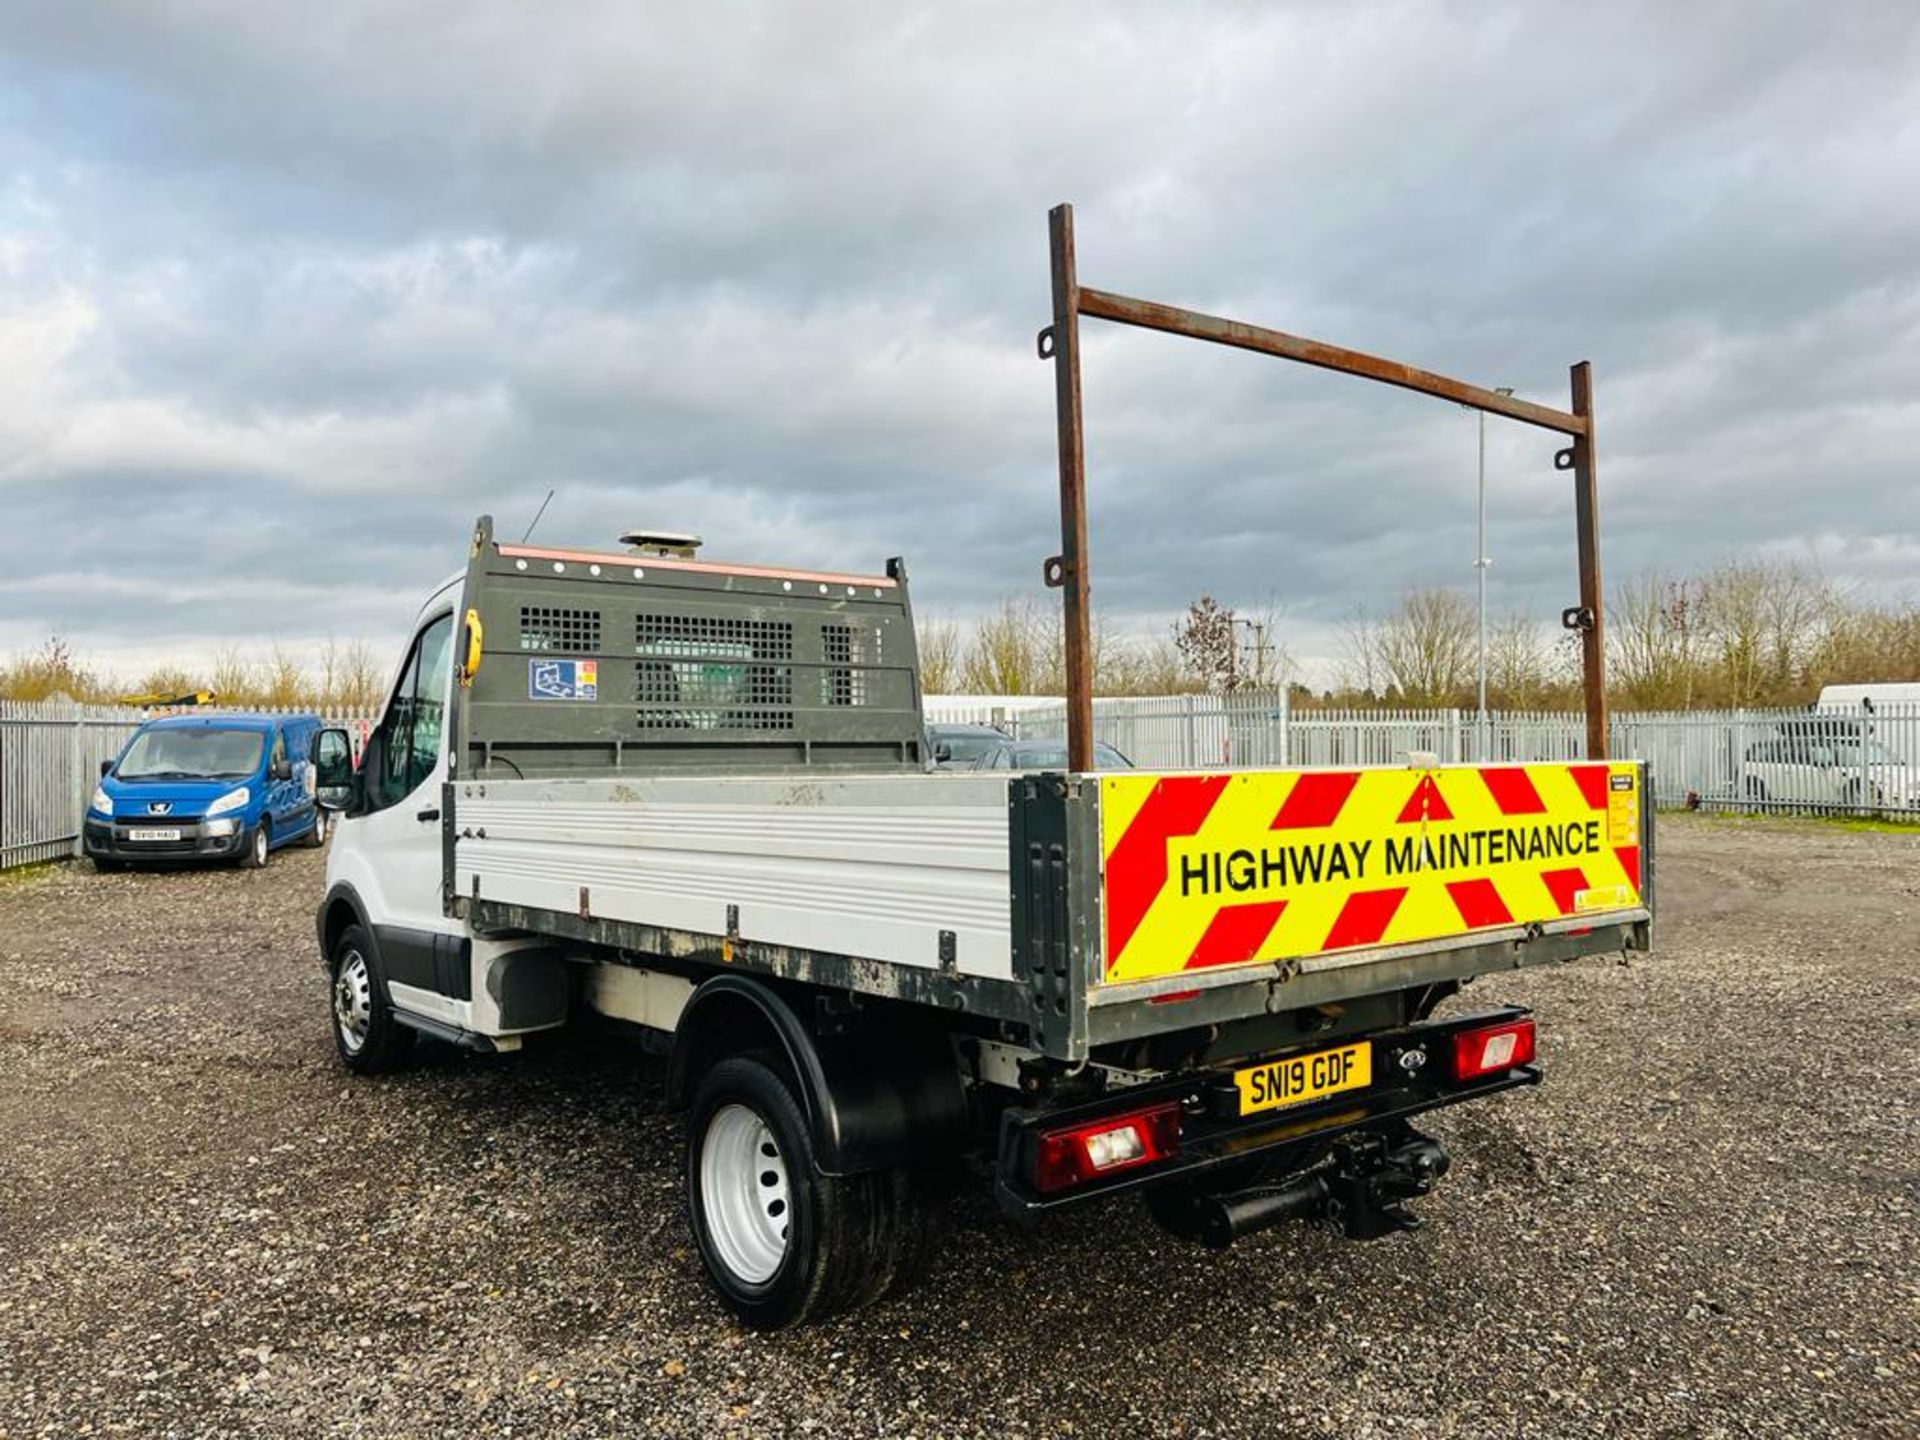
{"x":259,"y":846}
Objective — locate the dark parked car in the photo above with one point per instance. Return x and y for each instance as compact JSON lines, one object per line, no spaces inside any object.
{"x":958,"y":747}
{"x":1046,"y":755}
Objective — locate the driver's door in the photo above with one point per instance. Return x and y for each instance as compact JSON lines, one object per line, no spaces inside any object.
{"x":394,"y":828}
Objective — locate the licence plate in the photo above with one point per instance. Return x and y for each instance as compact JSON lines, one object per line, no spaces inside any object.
{"x":154,"y":832}
{"x":1300,"y":1078}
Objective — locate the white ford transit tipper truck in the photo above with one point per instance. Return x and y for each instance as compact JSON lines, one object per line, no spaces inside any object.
{"x":697,"y":797}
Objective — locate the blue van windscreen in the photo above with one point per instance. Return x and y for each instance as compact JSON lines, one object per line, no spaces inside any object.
{"x":192,"y":755}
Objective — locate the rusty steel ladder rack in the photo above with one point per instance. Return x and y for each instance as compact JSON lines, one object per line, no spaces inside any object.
{"x":1060,"y":342}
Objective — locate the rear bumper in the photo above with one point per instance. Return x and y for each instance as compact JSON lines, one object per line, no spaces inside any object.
{"x":1213,"y":1135}
{"x":114,"y":841}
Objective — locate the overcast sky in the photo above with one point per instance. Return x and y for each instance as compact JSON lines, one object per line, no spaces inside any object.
{"x":288,"y":294}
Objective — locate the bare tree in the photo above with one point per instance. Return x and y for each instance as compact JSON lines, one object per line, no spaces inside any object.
{"x":232,"y":680}
{"x":1007,"y":656}
{"x":1359,"y":674}
{"x":54,"y":669}
{"x":1526,"y":670}
{"x":360,"y":681}
{"x":1762,"y":617}
{"x":1141,"y":666}
{"x":1656,"y":633}
{"x":940,"y":656}
{"x":1424,"y":653}
{"x":1209,"y":645}
{"x":1863,"y":643}
{"x":282,"y":684}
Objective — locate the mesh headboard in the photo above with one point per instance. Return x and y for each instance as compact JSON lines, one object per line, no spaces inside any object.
{"x":597,"y":662}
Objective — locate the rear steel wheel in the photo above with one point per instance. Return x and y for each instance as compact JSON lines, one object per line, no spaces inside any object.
{"x":743,"y":1189}
{"x":782,"y":1241}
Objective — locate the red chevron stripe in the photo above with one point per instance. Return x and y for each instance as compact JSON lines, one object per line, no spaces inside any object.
{"x":1315,"y":801}
{"x":1592,"y":780}
{"x":1426,"y":803}
{"x":1479,"y":903}
{"x":1512,"y":791}
{"x":1364,"y":918}
{"x":1630,"y":862}
{"x":1563,"y":885}
{"x":1137,"y":869}
{"x":1234,"y":934}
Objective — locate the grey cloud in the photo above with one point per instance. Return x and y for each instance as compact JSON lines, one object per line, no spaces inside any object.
{"x":355,"y":274}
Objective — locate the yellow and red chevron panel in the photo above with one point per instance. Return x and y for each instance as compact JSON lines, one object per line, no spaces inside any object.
{"x":1206,"y":870}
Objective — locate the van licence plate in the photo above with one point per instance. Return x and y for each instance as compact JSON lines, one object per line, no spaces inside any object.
{"x":154,"y":832}
{"x":1300,"y":1078}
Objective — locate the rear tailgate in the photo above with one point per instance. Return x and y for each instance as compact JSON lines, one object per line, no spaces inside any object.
{"x":1205,"y":876}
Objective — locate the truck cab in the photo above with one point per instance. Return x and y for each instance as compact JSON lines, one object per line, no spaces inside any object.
{"x":207,"y":787}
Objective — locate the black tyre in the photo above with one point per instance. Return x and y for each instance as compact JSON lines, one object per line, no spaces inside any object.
{"x":1874,"y":797}
{"x":108,"y":867}
{"x":317,"y":836}
{"x":782,"y":1242}
{"x":259,"y":847}
{"x":365,"y":1033}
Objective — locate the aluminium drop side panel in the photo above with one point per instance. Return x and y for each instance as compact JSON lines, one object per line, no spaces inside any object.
{"x":907,"y":871}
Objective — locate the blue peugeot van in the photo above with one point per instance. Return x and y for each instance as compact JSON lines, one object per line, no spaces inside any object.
{"x":207,"y":787}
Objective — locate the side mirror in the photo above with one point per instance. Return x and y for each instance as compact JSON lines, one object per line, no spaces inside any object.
{"x":106,"y":768}
{"x":942,"y":752}
{"x":332,"y":769}
{"x":280,"y":770}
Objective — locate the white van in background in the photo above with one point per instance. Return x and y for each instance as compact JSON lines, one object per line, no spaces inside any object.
{"x":1888,"y":711}
{"x":1873,"y":697}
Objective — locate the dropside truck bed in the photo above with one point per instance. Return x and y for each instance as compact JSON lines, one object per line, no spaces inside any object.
{"x":995,"y":899}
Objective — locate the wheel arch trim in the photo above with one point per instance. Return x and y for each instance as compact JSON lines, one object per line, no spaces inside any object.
{"x":870,"y":1101}
{"x":341,"y":899}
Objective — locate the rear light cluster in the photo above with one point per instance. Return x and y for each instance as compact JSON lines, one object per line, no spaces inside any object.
{"x":1495,"y":1048}
{"x":1073,"y":1156}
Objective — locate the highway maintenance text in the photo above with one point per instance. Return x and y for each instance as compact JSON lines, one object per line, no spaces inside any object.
{"x":1282,"y":867}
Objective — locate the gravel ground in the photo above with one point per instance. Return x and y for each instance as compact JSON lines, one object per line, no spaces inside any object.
{"x":1703,"y":1224}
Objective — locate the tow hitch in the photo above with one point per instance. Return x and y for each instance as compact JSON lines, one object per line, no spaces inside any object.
{"x":1363,"y":1191}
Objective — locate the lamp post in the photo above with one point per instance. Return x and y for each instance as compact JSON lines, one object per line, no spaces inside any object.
{"x":1481,"y":560}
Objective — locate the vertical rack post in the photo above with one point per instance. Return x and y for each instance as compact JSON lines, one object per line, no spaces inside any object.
{"x":1586,"y":519}
{"x":1068,"y":570}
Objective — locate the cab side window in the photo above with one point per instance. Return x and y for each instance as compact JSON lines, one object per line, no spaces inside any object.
{"x":408,"y":740}
{"x":276,"y":763}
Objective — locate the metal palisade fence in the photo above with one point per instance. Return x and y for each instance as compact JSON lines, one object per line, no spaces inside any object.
{"x":1847,"y":760}
{"x":50,"y":757}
